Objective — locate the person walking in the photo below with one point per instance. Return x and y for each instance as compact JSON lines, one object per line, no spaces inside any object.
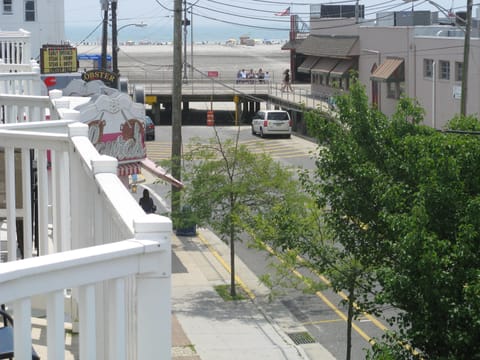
{"x":286,"y":81}
{"x":146,"y":202}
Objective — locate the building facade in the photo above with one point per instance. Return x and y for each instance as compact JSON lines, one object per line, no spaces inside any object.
{"x":422,"y":60}
{"x":44,"y":19}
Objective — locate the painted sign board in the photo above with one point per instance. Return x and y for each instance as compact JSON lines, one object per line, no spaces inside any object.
{"x":116,"y":126}
{"x":57,"y":59}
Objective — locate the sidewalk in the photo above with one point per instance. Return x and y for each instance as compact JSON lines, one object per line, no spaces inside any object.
{"x":210,"y":328}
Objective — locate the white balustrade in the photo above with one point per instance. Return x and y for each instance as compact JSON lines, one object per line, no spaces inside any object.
{"x":102,"y":246}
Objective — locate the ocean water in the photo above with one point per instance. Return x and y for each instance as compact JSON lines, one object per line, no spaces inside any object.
{"x":202,"y":33}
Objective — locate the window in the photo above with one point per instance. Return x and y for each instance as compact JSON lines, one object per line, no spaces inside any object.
{"x":7,"y":7}
{"x":395,"y":89}
{"x":29,"y":10}
{"x":458,"y":71}
{"x":444,"y":70}
{"x":428,"y":68}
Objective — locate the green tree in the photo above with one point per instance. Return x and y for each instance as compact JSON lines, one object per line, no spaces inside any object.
{"x":227,"y":185}
{"x":401,"y":199}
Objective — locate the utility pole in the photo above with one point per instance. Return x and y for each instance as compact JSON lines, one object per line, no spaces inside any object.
{"x":115,"y":42}
{"x":104,"y":4}
{"x":185,"y":24}
{"x":191,"y":42}
{"x":466,"y":52}
{"x":177,"y":104}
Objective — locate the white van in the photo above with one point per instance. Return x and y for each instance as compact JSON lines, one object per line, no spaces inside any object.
{"x":272,"y":122}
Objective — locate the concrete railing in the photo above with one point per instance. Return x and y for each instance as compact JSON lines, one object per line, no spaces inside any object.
{"x":94,"y":241}
{"x":20,"y":83}
{"x":25,"y":108}
{"x":302,"y":93}
{"x":15,"y":47}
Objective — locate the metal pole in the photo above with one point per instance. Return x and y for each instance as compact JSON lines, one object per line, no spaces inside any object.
{"x":177,"y":104}
{"x":115,"y":41}
{"x":191,"y":42}
{"x":104,"y":4}
{"x":466,"y":51}
{"x":185,"y":77}
{"x":434,"y":95}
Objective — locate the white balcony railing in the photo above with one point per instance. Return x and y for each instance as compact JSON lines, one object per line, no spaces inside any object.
{"x":95,"y":242}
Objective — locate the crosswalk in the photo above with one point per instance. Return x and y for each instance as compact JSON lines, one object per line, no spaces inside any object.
{"x":276,"y":148}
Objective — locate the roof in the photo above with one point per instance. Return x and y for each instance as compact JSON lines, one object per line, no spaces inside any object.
{"x":309,"y":62}
{"x":325,"y":65}
{"x":292,"y":44}
{"x":388,"y":69}
{"x":329,"y":46}
{"x":342,"y":67}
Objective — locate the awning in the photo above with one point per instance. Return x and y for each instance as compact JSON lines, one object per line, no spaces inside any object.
{"x":292,"y":44}
{"x":307,"y":65}
{"x":160,"y":172}
{"x":389,"y":68}
{"x":128,"y":169}
{"x":325,"y":65}
{"x":342,"y":67}
{"x":329,"y":46}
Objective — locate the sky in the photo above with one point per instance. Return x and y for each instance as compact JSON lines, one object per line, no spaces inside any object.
{"x":221,"y":15}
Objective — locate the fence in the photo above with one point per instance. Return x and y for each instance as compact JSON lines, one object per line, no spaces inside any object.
{"x":95,"y":242}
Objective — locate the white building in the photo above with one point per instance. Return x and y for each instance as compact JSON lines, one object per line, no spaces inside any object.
{"x":44,"y":19}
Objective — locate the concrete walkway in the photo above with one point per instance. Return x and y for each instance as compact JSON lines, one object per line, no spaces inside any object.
{"x":218,"y":329}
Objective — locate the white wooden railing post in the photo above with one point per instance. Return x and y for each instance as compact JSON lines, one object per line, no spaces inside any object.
{"x":22,"y":331}
{"x":56,"y":327}
{"x":87,"y":314}
{"x":11,"y":206}
{"x":27,"y":204}
{"x":100,"y":165}
{"x":153,"y":332}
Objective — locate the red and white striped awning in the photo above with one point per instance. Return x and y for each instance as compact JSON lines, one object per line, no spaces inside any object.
{"x":128,"y":169}
{"x":156,"y":170}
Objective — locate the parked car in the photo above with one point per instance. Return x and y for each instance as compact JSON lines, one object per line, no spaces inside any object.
{"x":272,"y":122}
{"x":149,"y":128}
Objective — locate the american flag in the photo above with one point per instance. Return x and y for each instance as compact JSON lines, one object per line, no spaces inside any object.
{"x":285,"y":12}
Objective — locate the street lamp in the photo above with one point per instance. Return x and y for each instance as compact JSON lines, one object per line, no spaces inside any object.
{"x":115,"y":47}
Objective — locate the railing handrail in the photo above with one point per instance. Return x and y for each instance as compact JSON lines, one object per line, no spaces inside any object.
{"x":121,"y":241}
{"x":78,"y":263}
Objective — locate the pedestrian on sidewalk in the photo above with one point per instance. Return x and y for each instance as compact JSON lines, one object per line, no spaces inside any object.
{"x":286,"y":81}
{"x":146,"y":202}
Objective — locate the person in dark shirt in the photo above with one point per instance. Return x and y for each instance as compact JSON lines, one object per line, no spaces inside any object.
{"x":146,"y":202}
{"x":286,"y":81}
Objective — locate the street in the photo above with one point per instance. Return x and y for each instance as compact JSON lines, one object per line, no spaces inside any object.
{"x":322,"y":313}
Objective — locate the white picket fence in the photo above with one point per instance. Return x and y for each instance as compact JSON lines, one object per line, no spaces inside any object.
{"x":95,"y":242}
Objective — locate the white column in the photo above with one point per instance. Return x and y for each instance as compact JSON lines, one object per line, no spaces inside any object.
{"x":43,"y":208}
{"x":153,"y":306}
{"x":11,"y":206}
{"x":55,"y":328}
{"x":22,"y":331}
{"x":27,"y":203}
{"x":87,"y":314}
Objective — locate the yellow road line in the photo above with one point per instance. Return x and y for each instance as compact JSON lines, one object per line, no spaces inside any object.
{"x":331,"y":305}
{"x":215,"y":253}
{"x":252,"y":296}
{"x":321,"y":322}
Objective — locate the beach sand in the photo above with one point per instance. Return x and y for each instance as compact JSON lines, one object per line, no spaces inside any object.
{"x":154,"y":62}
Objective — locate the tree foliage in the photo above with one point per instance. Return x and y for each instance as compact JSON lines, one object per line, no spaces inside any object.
{"x":227,"y":186}
{"x":403,"y":200}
